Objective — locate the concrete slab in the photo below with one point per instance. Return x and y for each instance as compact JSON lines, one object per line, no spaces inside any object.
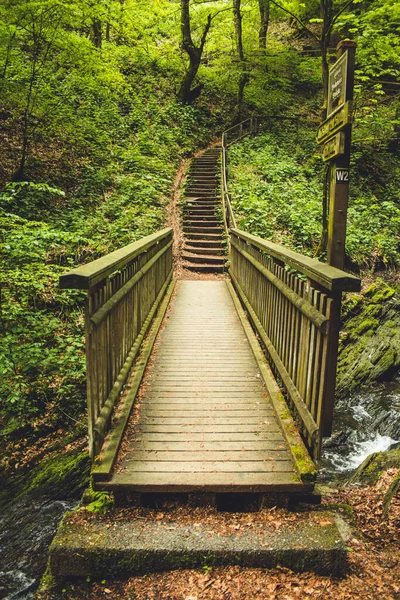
{"x":102,"y":548}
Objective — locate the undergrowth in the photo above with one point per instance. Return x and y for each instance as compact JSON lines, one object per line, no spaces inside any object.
{"x":276,"y":185}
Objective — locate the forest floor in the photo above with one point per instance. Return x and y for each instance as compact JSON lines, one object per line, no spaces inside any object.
{"x":373,"y":569}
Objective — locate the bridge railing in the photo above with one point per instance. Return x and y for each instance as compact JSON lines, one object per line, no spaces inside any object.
{"x":294,"y":303}
{"x":233,"y":134}
{"x":124,"y":289}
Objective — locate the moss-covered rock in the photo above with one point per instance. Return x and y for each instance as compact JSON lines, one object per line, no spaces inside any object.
{"x":369,"y":348}
{"x":374,"y":465}
{"x":66,"y":473}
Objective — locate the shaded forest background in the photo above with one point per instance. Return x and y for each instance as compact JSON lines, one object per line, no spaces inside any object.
{"x":100,"y":101}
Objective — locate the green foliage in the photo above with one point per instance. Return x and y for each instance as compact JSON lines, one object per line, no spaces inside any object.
{"x":276,"y":189}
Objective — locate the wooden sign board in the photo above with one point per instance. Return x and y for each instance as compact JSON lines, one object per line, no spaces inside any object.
{"x":337,"y":83}
{"x":335,"y":123}
{"x":333,"y":147}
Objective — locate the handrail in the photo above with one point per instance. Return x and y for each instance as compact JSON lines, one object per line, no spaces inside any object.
{"x":233,"y":134}
{"x":124,"y":290}
{"x":297,"y":319}
{"x":327,"y":276}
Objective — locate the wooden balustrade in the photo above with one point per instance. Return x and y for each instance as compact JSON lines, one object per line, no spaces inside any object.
{"x":124,"y":290}
{"x":294,"y":304}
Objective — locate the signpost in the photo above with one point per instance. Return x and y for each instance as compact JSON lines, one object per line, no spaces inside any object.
{"x":333,"y":147}
{"x":335,"y":134}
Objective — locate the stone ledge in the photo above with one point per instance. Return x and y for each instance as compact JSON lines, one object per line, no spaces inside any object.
{"x":101,"y":549}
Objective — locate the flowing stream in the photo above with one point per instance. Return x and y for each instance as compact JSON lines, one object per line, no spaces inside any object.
{"x":26,"y":530}
{"x":366,"y":422}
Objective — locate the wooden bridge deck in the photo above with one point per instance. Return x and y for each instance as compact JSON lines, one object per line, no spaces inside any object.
{"x":205,"y":421}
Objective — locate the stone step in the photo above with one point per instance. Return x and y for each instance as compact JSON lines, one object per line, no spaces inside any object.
{"x":113,"y":546}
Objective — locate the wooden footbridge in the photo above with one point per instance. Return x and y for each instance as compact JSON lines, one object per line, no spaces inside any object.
{"x":220,"y":385}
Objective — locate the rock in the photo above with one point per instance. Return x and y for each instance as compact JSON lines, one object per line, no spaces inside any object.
{"x":374,"y":465}
{"x":369,"y":348}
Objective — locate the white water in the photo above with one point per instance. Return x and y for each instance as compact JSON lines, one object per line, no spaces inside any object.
{"x":366,"y":422}
{"x":344,"y":464}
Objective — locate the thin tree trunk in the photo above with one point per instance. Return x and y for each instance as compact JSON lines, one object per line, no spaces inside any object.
{"x":237,"y":19}
{"x":243,"y":81}
{"x":20,"y":172}
{"x":264,"y":7}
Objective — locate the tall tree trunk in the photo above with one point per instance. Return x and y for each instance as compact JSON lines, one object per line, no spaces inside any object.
{"x":237,"y":19}
{"x":326,"y":11}
{"x":26,"y":121}
{"x":194,"y":53}
{"x":97,"y":34}
{"x":264,"y":6}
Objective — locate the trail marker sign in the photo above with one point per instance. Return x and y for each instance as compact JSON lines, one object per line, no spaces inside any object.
{"x":342,"y":176}
{"x":337,"y":84}
{"x":336,"y":122}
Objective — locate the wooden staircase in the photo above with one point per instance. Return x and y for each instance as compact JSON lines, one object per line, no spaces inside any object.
{"x":202,"y":219}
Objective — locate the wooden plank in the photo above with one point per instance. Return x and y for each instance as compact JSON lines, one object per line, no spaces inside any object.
{"x":203,"y":456}
{"x":272,"y":446}
{"x":200,"y":428}
{"x":211,"y":413}
{"x":240,"y":410}
{"x":261,"y":466}
{"x":210,"y":436}
{"x":193,"y":419}
{"x":218,"y":482}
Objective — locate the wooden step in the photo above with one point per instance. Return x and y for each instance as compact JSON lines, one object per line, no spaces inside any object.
{"x":207,"y":230}
{"x":213,"y":251}
{"x":207,"y":212}
{"x":203,"y":243}
{"x":197,"y":192}
{"x":201,"y":218}
{"x":203,"y":236}
{"x":203,"y":202}
{"x":204,"y":268}
{"x":211,"y":259}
